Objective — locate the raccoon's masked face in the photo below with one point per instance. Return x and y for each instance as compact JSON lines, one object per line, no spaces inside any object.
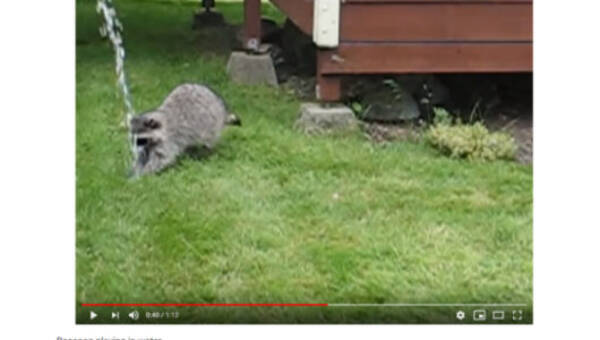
{"x":147,"y":129}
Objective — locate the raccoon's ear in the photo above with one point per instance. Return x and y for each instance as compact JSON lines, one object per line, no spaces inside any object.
{"x":152,"y":123}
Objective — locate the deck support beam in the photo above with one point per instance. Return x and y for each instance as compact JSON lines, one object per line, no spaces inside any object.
{"x":329,"y":87}
{"x":252,"y":24}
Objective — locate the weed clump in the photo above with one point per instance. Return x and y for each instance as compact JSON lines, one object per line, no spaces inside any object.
{"x":470,"y":141}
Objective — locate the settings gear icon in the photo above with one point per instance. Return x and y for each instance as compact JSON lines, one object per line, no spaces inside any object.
{"x":460,"y":315}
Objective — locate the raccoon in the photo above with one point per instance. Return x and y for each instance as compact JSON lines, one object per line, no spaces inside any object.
{"x":191,"y":115}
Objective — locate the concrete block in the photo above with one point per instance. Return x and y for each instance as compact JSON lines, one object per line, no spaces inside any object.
{"x":244,"y":68}
{"x":315,"y":118}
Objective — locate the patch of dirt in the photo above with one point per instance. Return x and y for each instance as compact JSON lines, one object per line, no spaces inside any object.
{"x":204,"y":19}
{"x":382,"y":133}
{"x":520,"y":126}
{"x":504,"y":102}
{"x":301,"y":87}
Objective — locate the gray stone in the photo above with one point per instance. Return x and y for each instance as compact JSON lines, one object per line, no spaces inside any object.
{"x":390,"y":106}
{"x":425,"y":86}
{"x":244,"y":68}
{"x":315,"y":118}
{"x":383,"y":100}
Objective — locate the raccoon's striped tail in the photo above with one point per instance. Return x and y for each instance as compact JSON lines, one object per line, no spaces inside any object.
{"x":233,"y":119}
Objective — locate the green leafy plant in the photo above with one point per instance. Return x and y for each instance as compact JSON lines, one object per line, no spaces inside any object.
{"x":470,"y":141}
{"x":357,"y":108}
{"x":441,"y":116}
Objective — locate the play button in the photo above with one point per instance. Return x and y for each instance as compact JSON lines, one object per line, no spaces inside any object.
{"x":93,"y":315}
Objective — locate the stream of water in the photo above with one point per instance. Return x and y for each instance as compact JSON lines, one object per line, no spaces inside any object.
{"x":111,"y":28}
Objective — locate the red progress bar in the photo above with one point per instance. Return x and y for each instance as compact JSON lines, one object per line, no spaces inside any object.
{"x":204,"y":305}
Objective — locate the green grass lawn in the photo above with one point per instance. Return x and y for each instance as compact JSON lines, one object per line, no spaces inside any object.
{"x":273,"y":215}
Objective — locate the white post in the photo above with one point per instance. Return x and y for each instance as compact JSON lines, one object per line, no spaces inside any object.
{"x":326,"y":23}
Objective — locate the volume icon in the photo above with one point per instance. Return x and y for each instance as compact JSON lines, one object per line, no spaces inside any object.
{"x":134,"y":315}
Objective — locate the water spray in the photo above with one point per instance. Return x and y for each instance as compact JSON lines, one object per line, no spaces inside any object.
{"x":111,"y":28}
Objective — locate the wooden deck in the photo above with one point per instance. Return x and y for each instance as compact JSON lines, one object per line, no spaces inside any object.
{"x":416,"y":36}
